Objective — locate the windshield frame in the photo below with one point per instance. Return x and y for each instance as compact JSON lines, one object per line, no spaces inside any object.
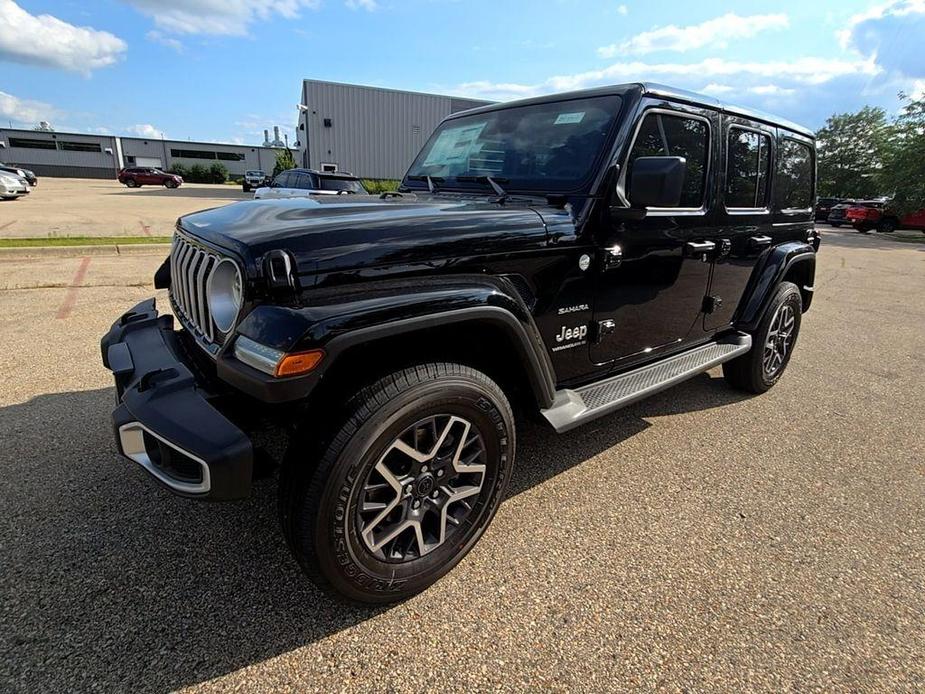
{"x":511,"y":187}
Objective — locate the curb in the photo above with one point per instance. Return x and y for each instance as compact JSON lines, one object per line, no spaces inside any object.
{"x":79,"y":251}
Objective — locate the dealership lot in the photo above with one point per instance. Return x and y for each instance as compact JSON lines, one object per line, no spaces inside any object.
{"x":96,"y":207}
{"x":700,"y":539}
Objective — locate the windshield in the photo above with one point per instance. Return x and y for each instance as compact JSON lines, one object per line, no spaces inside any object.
{"x":551,"y":146}
{"x":254,"y":173}
{"x":350,"y":185}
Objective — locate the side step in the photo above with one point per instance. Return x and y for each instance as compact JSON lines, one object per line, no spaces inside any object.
{"x":574,"y":407}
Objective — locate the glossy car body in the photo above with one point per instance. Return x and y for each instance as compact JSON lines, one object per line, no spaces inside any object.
{"x":837,"y":214}
{"x":561,"y":288}
{"x":12,"y":186}
{"x":302,"y":183}
{"x":878,"y":215}
{"x":824,"y":206}
{"x":137,"y":176}
{"x":26,"y":174}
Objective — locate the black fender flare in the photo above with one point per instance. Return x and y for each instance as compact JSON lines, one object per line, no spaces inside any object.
{"x":776,"y":265}
{"x":386,"y":310}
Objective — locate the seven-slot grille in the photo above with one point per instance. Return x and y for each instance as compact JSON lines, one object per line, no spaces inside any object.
{"x":190,"y":267}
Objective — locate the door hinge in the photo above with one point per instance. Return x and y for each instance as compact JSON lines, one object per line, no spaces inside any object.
{"x":602,"y":329}
{"x":711,"y":304}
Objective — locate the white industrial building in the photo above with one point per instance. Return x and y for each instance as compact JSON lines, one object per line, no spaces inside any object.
{"x":80,"y":155}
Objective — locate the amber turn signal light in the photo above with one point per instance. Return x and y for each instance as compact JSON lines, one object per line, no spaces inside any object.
{"x":299,"y":363}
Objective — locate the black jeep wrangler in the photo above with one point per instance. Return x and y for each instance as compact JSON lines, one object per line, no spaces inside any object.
{"x":567,"y":254}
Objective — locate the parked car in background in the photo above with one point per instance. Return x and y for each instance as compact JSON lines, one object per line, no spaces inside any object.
{"x":29,"y":176}
{"x":138,"y":176}
{"x":12,"y":186}
{"x":300,"y":183}
{"x":837,"y":213}
{"x":824,"y":206}
{"x":866,"y":217}
{"x":256,"y":178}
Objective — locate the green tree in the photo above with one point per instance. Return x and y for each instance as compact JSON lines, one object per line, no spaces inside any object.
{"x":851,"y":151}
{"x":218,"y":173}
{"x":284,"y":161}
{"x":903,"y":174}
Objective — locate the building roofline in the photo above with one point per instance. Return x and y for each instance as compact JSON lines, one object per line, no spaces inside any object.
{"x":135,"y":137}
{"x":397,"y":91}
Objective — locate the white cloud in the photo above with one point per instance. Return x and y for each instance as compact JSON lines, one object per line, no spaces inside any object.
{"x":770,"y":90}
{"x":623,"y":10}
{"x":368,"y":5}
{"x":223,"y":17}
{"x":49,"y":42}
{"x":156,"y":36}
{"x":147,"y":130}
{"x":715,"y":89}
{"x":25,"y":111}
{"x":892,"y":34}
{"x":713,"y":33}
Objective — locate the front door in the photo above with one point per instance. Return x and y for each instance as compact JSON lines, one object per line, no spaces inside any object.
{"x":654,"y":272}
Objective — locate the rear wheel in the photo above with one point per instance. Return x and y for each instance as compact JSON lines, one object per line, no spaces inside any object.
{"x":886,"y":226}
{"x":407,"y":485}
{"x":761,"y":367}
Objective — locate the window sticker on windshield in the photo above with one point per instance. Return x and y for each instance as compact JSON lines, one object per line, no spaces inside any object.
{"x":565,"y":118}
{"x":454,"y":145}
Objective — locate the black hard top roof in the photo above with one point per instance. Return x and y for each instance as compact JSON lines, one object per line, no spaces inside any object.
{"x":650,"y":89}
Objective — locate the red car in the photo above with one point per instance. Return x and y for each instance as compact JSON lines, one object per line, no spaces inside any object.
{"x":136,"y":177}
{"x":867,"y":216}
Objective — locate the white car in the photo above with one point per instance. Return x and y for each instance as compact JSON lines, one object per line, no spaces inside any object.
{"x":302,"y":183}
{"x":13,"y":186}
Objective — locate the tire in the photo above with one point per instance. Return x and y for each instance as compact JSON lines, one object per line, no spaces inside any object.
{"x":336,"y":542}
{"x":749,"y":372}
{"x":886,"y":226}
{"x":246,"y":188}
{"x":170,"y":184}
{"x":132,"y":183}
{"x":835,"y":224}
{"x":863,"y":229}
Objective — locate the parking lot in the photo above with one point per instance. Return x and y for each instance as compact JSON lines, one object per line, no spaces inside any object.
{"x":701,"y":539}
{"x":95,"y":207}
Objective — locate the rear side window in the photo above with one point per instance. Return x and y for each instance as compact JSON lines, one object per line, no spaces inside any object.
{"x":662,"y":135}
{"x":794,"y":176}
{"x":301,"y":180}
{"x":748,"y":162}
{"x":348,"y":184}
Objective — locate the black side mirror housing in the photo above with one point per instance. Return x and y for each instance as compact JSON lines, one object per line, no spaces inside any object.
{"x":656,"y":181}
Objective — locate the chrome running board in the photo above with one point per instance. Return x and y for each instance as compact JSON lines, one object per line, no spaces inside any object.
{"x":573,"y":407}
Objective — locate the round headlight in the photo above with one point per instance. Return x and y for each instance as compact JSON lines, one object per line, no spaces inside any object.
{"x":225,"y":293}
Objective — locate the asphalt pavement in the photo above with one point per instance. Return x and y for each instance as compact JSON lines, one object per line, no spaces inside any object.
{"x":700,"y":540}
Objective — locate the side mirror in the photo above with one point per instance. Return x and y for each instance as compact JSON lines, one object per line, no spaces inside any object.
{"x":656,"y":181}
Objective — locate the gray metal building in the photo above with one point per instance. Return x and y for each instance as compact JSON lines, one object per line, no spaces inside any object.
{"x":371,"y":132}
{"x":101,"y":156}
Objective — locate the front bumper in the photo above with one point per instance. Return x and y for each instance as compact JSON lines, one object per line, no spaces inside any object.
{"x":163,"y":419}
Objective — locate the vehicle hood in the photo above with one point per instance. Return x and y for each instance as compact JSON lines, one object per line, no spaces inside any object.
{"x":335,"y":233}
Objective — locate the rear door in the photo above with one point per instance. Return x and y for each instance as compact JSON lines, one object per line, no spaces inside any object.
{"x":280,"y":186}
{"x":744,"y":226}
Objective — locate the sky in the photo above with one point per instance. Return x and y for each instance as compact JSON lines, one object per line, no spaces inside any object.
{"x":223,"y":70}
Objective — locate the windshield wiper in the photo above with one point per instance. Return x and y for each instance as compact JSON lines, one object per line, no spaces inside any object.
{"x":495,"y":184}
{"x":432,"y":181}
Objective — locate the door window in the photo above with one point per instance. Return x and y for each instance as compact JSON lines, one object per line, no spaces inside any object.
{"x":748,"y":165}
{"x":282,"y":181}
{"x":794,"y":176}
{"x":666,"y":135}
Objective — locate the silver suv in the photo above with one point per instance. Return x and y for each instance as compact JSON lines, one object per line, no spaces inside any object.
{"x":301,"y":183}
{"x":254,"y":179}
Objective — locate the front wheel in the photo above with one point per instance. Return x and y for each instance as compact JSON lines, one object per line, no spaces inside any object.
{"x":410,"y":480}
{"x":761,"y":367}
{"x":246,"y":188}
{"x":132,"y":183}
{"x":886,"y":226}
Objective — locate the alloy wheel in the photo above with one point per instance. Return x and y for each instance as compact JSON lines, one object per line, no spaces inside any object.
{"x":422,"y":489}
{"x":779,"y":339}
